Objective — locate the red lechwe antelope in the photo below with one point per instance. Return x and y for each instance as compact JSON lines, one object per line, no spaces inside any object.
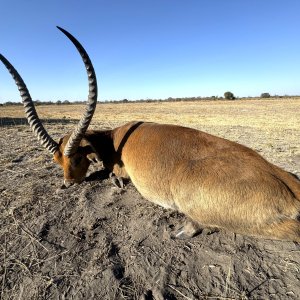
{"x":215,"y":182}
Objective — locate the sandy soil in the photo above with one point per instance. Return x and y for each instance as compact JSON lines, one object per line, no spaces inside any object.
{"x":94,"y":241}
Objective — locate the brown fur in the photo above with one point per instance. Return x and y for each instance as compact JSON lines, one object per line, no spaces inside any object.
{"x":215,"y":182}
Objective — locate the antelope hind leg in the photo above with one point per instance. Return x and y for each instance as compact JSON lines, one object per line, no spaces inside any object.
{"x":190,"y":228}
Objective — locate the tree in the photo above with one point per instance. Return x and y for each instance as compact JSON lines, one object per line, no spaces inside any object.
{"x":265,"y":95}
{"x":229,"y":96}
{"x":37,"y":102}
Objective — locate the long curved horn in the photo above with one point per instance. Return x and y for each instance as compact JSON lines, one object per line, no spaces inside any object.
{"x":83,"y":124}
{"x":31,"y":114}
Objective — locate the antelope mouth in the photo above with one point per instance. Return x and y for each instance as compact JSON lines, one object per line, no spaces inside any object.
{"x":69,"y":182}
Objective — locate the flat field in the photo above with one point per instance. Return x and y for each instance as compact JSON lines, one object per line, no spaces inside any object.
{"x":94,"y":241}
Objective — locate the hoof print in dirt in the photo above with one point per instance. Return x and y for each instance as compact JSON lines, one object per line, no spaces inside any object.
{"x":44,"y":231}
{"x":18,"y":159}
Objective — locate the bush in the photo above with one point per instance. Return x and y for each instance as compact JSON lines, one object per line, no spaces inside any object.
{"x":229,"y":96}
{"x":265,"y":95}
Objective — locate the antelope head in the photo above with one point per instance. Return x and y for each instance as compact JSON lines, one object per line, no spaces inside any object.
{"x":73,"y":153}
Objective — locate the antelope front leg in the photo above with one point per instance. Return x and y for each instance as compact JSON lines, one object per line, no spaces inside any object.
{"x":116,"y":180}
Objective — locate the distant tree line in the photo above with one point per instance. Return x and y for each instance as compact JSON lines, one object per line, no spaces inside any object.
{"x":227,"y":95}
{"x":39,"y":102}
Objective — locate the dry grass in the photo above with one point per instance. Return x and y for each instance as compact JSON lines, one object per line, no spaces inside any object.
{"x":254,"y":113}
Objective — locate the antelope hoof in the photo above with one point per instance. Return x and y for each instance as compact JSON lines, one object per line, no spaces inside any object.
{"x":188,"y":230}
{"x":210,"y":230}
{"x":116,"y":181}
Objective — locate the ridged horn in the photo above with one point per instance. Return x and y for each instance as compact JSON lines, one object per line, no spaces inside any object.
{"x":31,"y":114}
{"x":83,"y":124}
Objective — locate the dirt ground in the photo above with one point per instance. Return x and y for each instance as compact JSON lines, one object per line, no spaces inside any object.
{"x":95,"y":241}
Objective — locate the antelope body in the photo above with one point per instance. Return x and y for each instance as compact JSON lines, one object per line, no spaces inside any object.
{"x":215,"y":182}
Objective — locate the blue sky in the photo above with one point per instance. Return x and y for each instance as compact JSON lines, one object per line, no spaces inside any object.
{"x":152,"y":49}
